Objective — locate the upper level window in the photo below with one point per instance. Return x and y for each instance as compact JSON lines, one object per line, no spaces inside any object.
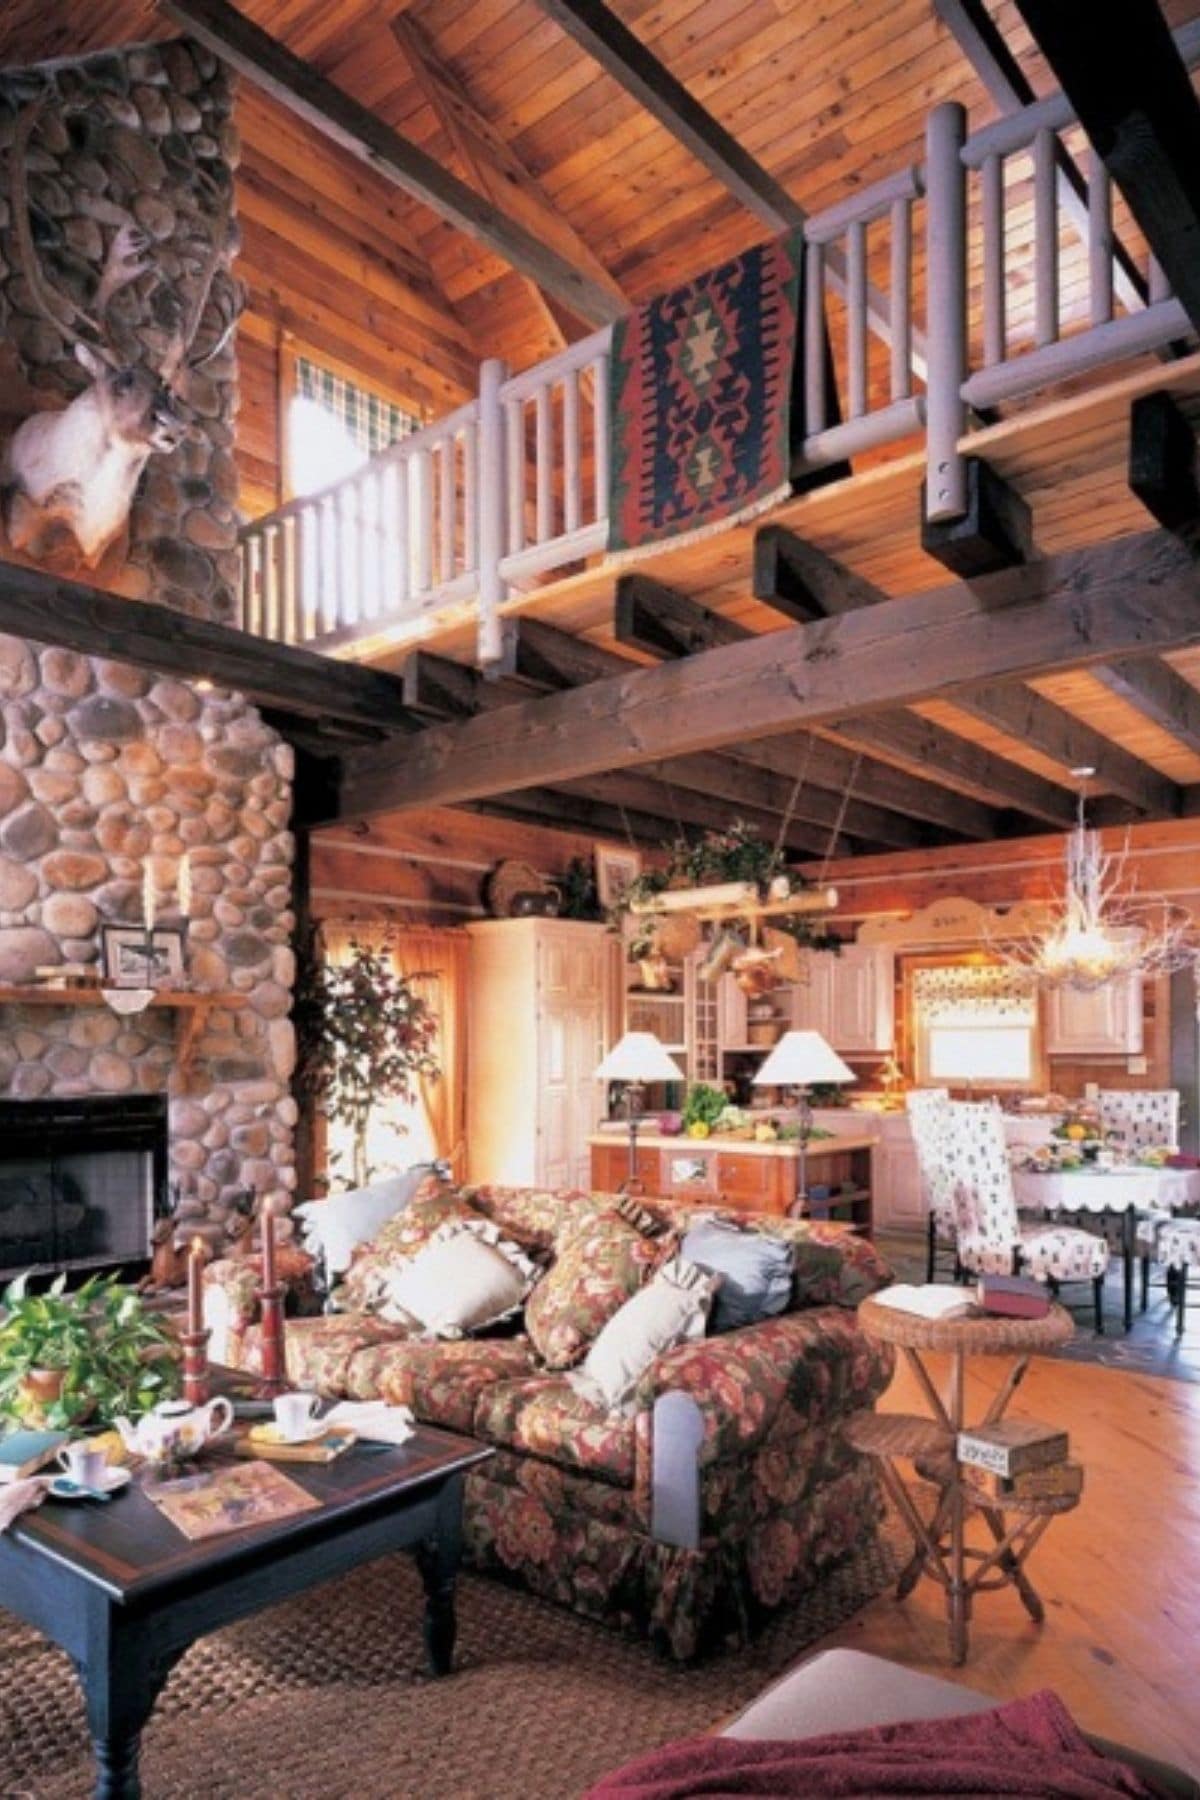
{"x":334,"y":426}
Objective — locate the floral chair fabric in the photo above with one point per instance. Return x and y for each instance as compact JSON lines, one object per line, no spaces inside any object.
{"x":929,"y":1114}
{"x":1143,"y":1118}
{"x":991,"y":1237}
{"x":1179,"y":1244}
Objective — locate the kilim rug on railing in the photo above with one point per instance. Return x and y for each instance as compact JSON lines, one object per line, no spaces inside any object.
{"x":317,"y":1699}
{"x":700,"y":393}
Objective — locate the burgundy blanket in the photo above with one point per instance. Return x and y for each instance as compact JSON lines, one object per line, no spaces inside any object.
{"x":1028,"y":1747}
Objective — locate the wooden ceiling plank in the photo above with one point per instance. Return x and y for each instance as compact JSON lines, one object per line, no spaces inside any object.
{"x":1132,"y":94}
{"x":1159,"y":692}
{"x":634,"y":790}
{"x":1135,"y":596}
{"x":297,"y":85}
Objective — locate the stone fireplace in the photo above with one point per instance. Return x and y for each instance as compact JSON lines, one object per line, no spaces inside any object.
{"x":105,"y":768}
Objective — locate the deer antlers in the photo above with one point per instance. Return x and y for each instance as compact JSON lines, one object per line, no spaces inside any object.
{"x":125,"y":262}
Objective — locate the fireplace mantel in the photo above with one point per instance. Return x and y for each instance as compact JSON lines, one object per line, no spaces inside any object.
{"x":193,"y":1007}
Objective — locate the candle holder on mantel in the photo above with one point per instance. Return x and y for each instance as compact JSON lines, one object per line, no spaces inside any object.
{"x":196,"y":1388}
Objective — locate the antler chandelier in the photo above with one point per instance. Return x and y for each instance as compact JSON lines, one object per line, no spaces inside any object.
{"x":1099,"y":929}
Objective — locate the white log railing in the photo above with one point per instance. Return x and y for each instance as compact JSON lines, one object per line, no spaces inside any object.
{"x":514,"y":485}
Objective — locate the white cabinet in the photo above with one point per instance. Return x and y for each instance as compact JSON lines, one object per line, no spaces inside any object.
{"x":899,"y":1200}
{"x":1105,"y":1022}
{"x":539,"y":1022}
{"x":849,"y":999}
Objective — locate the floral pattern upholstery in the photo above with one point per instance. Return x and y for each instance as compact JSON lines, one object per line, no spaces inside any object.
{"x":433,"y":1205}
{"x":599,"y":1265}
{"x":991,"y":1238}
{"x":931,"y":1120}
{"x":565,"y":1503}
{"x":1143,"y":1118}
{"x":1179,"y":1244}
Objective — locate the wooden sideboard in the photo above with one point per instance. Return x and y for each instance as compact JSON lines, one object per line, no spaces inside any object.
{"x":746,"y":1177}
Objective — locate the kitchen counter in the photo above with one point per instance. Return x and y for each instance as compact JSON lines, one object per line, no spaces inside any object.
{"x":681,"y":1142}
{"x":731,"y":1172}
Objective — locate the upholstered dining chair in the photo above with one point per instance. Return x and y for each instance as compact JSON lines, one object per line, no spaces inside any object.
{"x":991,"y":1238}
{"x":1143,"y":1118}
{"x":929,"y":1115}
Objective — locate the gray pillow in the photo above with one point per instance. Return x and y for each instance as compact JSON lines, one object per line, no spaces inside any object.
{"x":334,"y":1228}
{"x":755,"y":1271}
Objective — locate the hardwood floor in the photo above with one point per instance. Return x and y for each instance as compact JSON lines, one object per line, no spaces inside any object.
{"x":1120,"y":1576}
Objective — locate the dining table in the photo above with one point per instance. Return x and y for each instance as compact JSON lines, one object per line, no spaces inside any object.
{"x":1127,"y":1190}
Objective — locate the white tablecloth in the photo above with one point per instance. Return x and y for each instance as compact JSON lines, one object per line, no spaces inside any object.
{"x":1107,"y":1190}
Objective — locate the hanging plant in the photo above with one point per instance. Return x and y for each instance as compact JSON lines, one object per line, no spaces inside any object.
{"x":364,"y":1036}
{"x":737,"y":854}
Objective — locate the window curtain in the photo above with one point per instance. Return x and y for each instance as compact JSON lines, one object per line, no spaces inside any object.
{"x":370,"y":420}
{"x":434,"y":962}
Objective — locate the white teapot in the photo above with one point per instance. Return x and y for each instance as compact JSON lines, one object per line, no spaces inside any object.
{"x":175,"y":1430}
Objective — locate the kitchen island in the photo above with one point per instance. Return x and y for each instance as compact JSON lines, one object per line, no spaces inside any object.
{"x":741,"y":1173}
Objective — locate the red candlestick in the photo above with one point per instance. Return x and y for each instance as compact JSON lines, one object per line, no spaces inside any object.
{"x":195,"y":1367}
{"x":268,"y":1247}
{"x":195,"y":1277}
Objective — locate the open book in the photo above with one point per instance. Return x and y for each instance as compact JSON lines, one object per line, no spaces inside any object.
{"x":928,"y":1302}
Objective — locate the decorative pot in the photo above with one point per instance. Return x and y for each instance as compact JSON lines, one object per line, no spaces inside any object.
{"x":40,"y":1389}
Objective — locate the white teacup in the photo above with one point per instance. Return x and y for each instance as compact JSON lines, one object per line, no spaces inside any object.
{"x":84,"y":1464}
{"x":294,"y":1415}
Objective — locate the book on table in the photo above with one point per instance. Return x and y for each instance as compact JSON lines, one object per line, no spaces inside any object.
{"x":23,"y":1453}
{"x":266,"y":1440}
{"x":926,"y":1302}
{"x":1063,"y":1480}
{"x":230,"y":1499}
{"x":1012,"y":1445}
{"x":1012,"y":1296}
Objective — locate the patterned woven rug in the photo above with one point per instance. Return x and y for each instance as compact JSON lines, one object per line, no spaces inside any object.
{"x":701,"y":400}
{"x":319,"y":1699}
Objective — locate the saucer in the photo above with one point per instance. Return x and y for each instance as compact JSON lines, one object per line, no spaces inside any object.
{"x":273,"y":1433}
{"x":111,"y":1482}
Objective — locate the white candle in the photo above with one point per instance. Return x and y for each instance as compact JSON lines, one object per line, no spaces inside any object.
{"x":148,"y":896}
{"x":185,"y":886}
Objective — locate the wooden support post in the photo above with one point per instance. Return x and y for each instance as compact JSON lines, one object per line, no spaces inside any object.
{"x":1162,"y":460}
{"x":994,"y":530}
{"x":778,"y":577}
{"x":946,"y":304}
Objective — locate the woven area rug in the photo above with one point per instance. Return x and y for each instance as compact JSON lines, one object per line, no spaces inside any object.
{"x":701,"y":400}
{"x":321,"y":1699}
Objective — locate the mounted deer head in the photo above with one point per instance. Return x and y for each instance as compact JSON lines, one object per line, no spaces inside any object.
{"x":78,"y":468}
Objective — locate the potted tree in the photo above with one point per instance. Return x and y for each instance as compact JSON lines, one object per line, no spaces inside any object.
{"x":94,"y":1352}
{"x":364,"y":1036}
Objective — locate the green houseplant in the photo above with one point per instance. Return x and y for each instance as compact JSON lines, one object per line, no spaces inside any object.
{"x":92,"y":1352}
{"x":364,"y":1035}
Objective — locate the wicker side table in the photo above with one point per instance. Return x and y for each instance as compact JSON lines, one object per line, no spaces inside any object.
{"x":941,"y":1550}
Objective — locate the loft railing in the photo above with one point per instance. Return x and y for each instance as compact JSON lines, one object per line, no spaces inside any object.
{"x":514,"y":484}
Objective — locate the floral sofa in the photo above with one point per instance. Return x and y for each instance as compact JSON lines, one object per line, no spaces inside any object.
{"x":725,"y":1487}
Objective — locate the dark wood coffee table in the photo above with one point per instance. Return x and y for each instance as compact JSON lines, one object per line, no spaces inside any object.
{"x":124,"y":1593}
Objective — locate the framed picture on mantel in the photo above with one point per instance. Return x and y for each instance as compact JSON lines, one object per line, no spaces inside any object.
{"x":616,"y":868}
{"x":135,"y":958}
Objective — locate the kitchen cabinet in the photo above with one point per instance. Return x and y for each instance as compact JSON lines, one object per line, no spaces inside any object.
{"x":538,"y":1023}
{"x":1105,"y":1022}
{"x":849,"y":999}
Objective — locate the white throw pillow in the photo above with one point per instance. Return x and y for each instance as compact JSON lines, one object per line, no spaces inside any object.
{"x":334,"y":1228}
{"x":671,"y":1309}
{"x":467,"y":1276}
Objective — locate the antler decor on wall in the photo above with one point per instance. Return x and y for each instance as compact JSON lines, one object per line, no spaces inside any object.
{"x":76,"y":470}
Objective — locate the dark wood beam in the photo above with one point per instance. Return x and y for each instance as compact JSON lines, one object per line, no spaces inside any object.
{"x":995,"y":532}
{"x":674,"y":625}
{"x":1117,"y":64}
{"x":1132,"y":595}
{"x":982,"y":43}
{"x":36,"y":605}
{"x":1031,"y":719}
{"x":589,"y":818}
{"x":922,"y":747}
{"x":742,"y":785}
{"x":1162,"y":460}
{"x":658,"y":619}
{"x":552,"y":657}
{"x":1159,"y":693}
{"x":437,"y":687}
{"x":298,"y":86}
{"x":635,"y":790}
{"x":778,"y":575}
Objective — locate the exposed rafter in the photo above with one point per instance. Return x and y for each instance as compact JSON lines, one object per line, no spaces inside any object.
{"x":1160,"y":693}
{"x":298,"y":86}
{"x":1133,"y":595}
{"x":1117,"y":64}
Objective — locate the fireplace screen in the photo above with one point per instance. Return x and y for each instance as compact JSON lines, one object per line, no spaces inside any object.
{"x":81,"y":1182}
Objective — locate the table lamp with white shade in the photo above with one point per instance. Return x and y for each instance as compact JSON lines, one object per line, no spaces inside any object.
{"x":636,"y":1059}
{"x":800,"y":1060}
